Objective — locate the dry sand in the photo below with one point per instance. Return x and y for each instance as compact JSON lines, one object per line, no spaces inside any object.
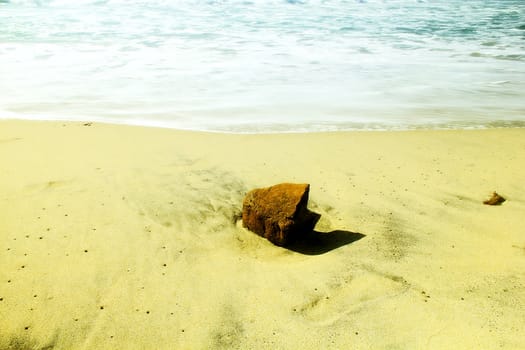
{"x":119,"y":237}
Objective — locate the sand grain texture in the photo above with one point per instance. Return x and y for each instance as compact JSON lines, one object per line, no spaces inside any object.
{"x":127,"y":237}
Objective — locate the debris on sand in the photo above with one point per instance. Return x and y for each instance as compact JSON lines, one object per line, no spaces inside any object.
{"x":496,"y":199}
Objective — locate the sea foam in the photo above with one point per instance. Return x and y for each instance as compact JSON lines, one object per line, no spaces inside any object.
{"x":265,"y":66}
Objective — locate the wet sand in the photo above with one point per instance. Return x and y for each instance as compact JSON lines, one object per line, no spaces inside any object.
{"x":128,"y":237}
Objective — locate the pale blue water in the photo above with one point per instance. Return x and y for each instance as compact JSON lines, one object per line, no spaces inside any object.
{"x":250,"y":66}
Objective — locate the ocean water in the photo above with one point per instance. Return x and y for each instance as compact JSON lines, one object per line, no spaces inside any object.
{"x":265,"y":66}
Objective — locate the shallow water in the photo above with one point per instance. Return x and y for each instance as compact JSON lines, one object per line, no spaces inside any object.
{"x":250,"y":66}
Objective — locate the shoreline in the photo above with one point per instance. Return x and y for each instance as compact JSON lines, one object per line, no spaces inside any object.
{"x":117,"y":236}
{"x":273,"y":128}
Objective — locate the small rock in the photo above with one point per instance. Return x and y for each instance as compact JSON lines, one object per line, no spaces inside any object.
{"x":279,"y":213}
{"x":496,"y":199}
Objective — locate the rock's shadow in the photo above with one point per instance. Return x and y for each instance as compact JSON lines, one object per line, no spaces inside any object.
{"x":316,"y":243}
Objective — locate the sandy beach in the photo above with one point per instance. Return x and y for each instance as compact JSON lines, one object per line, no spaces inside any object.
{"x":121,"y":237}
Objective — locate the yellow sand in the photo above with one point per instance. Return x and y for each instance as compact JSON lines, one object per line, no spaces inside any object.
{"x":118,"y":237}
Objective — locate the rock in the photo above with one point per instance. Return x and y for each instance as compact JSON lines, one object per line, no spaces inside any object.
{"x":496,"y":199}
{"x":279,"y":213}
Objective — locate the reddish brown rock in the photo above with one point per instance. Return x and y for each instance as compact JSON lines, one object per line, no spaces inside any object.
{"x":496,"y":199}
{"x":279,"y":213}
